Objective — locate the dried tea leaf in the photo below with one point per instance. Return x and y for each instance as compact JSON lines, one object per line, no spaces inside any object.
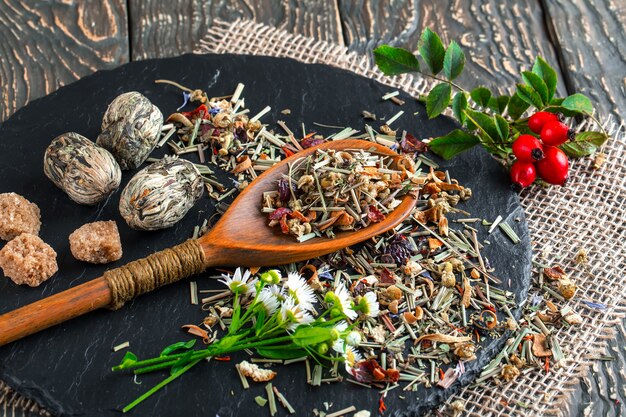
{"x":467,"y":292}
{"x":539,"y":346}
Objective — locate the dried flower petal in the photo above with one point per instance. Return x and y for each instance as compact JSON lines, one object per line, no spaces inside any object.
{"x":257,"y":374}
{"x":369,"y":371}
{"x":556,"y":273}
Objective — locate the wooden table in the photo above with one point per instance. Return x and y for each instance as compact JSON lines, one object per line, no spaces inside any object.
{"x":44,"y":45}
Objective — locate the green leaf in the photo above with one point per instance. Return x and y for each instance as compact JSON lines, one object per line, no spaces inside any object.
{"x":227,"y":342}
{"x":260,"y":320}
{"x":498,"y":104}
{"x":585,"y":143}
{"x":453,"y":61}
{"x":560,"y":109}
{"x":459,"y":104}
{"x":178,"y":346}
{"x":556,"y":101}
{"x":529,"y":95}
{"x":181,"y":362}
{"x":285,"y":352}
{"x":579,"y":103}
{"x":311,"y":335}
{"x":394,"y":61}
{"x":484,"y":123}
{"x":502,"y":126}
{"x":453,"y":143}
{"x":537,"y":84}
{"x":438,"y":99}
{"x":481,"y":96}
{"x":517,"y":107}
{"x":432,"y":51}
{"x":547,"y":74}
{"x":128,"y":359}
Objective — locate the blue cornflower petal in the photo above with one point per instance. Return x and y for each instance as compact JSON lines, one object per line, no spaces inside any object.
{"x":186,"y":96}
{"x":597,"y":306}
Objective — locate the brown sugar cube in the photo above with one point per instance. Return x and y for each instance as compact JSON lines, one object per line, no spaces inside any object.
{"x":17,"y":216}
{"x":97,"y":243}
{"x":28,"y":260}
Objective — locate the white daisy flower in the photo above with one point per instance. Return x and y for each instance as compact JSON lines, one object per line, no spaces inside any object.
{"x":368,"y":305}
{"x":352,"y":357}
{"x":294,"y":314}
{"x":338,"y":345}
{"x":269,"y":301}
{"x":353,"y":338}
{"x":345,"y":302}
{"x":273,"y":276}
{"x":277,"y":291}
{"x":301,"y":292}
{"x":240,"y":283}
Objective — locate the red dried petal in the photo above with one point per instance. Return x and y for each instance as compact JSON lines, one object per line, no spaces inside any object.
{"x":194,"y":113}
{"x":374,"y":214}
{"x":411,"y":144}
{"x":386,"y":277}
{"x":310,"y":140}
{"x":279,"y":213}
{"x":370,"y":371}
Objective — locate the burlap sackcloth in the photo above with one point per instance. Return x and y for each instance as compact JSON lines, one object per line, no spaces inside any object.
{"x":588,"y":214}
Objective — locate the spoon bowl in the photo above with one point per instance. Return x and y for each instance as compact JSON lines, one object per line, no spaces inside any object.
{"x":242,"y":236}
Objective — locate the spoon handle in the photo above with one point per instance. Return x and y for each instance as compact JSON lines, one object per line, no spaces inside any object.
{"x":54,"y":310}
{"x":111,"y":290}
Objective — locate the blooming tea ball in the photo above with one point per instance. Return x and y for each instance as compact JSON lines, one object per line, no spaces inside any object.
{"x":161,"y":194}
{"x":17,"y":216}
{"x":130,"y":129}
{"x":85,"y":171}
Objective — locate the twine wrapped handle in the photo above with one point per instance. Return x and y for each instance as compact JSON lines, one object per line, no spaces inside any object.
{"x":159,"y":269}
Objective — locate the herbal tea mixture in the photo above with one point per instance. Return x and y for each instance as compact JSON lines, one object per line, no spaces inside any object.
{"x":407,"y":308}
{"x":349,"y":189}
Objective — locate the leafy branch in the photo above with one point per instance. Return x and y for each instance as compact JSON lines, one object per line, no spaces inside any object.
{"x":492,"y":121}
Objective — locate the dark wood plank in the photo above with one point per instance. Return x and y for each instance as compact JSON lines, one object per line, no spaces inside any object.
{"x":164,"y":28}
{"x":499,"y":38}
{"x":591,"y":37}
{"x":45,"y":45}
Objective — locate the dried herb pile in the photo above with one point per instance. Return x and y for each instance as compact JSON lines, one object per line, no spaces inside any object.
{"x":348,"y":189}
{"x":407,"y":308}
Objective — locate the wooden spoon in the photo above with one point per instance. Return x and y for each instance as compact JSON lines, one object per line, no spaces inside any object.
{"x":240,"y":238}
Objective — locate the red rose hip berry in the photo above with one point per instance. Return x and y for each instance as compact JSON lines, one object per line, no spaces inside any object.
{"x":523,"y":174}
{"x":527,"y":148}
{"x":537,"y":121}
{"x":556,"y":133}
{"x":554,"y":166}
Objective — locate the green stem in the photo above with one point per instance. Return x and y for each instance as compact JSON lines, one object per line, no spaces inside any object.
{"x":159,"y":386}
{"x":434,"y":77}
{"x":201,"y":354}
{"x":152,"y":361}
{"x":592,"y":117}
{"x":234,"y":325}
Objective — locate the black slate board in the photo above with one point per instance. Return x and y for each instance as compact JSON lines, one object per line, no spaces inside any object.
{"x":67,"y":368}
